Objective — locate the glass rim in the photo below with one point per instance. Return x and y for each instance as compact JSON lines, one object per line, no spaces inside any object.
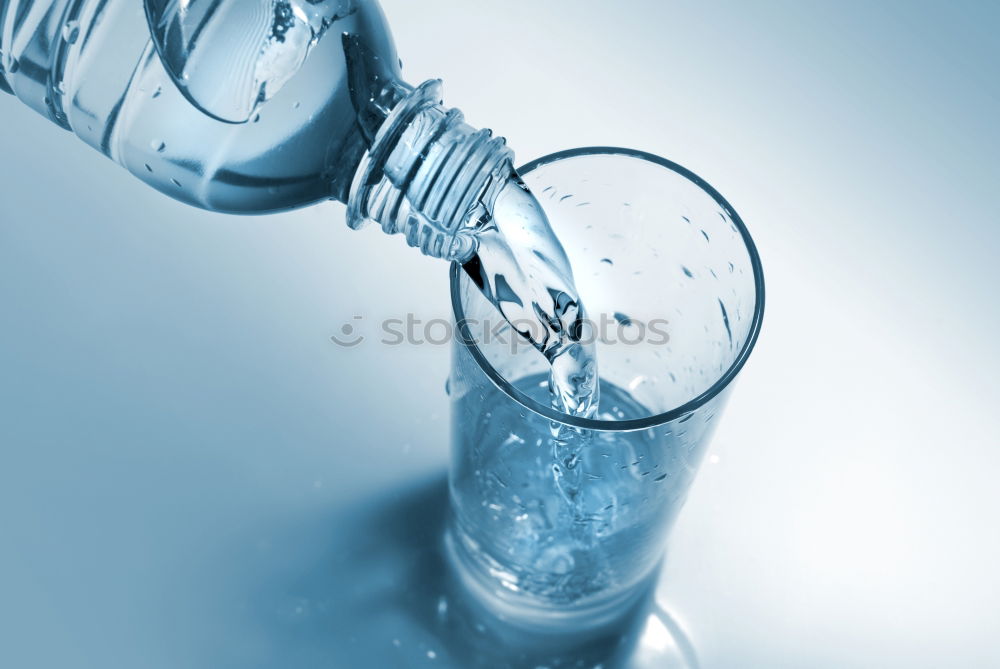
{"x":466,"y":339}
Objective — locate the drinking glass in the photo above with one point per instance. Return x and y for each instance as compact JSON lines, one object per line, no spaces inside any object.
{"x":559,"y":520}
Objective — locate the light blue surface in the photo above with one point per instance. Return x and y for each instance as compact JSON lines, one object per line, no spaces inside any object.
{"x":180,"y":442}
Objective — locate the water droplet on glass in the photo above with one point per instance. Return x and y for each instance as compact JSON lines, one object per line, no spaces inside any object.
{"x":156,"y":93}
{"x":687,"y":272}
{"x":157,"y":145}
{"x":607,"y":261}
{"x":148,"y":168}
{"x":176,"y":182}
{"x":725,"y":321}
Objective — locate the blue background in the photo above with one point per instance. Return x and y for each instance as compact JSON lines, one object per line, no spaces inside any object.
{"x":185,"y":456}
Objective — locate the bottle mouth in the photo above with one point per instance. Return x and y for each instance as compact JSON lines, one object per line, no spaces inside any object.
{"x":428,"y":176}
{"x":468,"y":339}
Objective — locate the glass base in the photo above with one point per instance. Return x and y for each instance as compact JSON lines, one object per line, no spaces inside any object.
{"x":628,"y":631}
{"x":523,"y":610}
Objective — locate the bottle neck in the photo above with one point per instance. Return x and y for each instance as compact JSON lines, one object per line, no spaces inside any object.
{"x":429,"y":176}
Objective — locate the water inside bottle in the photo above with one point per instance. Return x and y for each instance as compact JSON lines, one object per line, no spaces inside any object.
{"x":266,"y":45}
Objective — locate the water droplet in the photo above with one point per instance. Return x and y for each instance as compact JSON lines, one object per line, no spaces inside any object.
{"x":705,"y":235}
{"x":157,"y":92}
{"x":148,"y":168}
{"x":176,"y":182}
{"x":687,"y":272}
{"x":725,"y":321}
{"x":660,"y":477}
{"x":607,"y":261}
{"x":158,"y":145}
{"x":71,"y":31}
{"x":296,"y":104}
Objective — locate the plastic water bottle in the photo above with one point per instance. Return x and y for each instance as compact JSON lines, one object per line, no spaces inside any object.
{"x":254,"y":106}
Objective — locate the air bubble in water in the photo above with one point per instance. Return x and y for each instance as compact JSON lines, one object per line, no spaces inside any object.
{"x":71,"y":31}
